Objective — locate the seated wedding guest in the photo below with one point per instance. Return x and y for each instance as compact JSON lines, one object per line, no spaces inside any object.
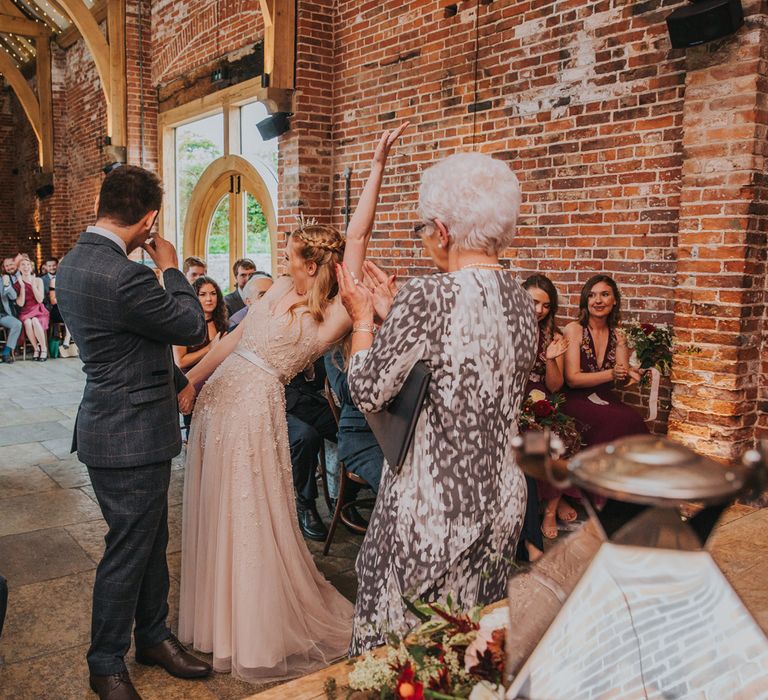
{"x":7,"y":319}
{"x":597,"y":360}
{"x":449,"y":521}
{"x":33,"y":314}
{"x":212,"y":300}
{"x":10,"y":268}
{"x":47,"y":273}
{"x":310,"y":421}
{"x":55,"y":313}
{"x":242,"y":270}
{"x":546,"y":377}
{"x":255,"y":288}
{"x":193,"y":268}
{"x":357,"y":446}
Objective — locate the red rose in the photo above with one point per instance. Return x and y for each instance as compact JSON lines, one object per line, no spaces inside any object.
{"x":648,"y":328}
{"x":542,"y":409}
{"x":407,"y":687}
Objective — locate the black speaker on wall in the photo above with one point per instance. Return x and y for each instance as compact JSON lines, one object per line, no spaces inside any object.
{"x":274,"y":125}
{"x":703,"y":21}
{"x":44,"y":191}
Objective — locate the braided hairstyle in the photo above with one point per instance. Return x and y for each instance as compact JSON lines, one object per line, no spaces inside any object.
{"x":324,"y":246}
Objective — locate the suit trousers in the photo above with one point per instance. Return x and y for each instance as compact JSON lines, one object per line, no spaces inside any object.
{"x":14,"y":327}
{"x":132,"y":577}
{"x":309,"y":422}
{"x":3,"y":602}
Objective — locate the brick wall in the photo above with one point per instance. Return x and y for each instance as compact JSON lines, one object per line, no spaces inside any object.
{"x":306,"y":152}
{"x":721,"y":269}
{"x":187,"y":35}
{"x":585,"y":102}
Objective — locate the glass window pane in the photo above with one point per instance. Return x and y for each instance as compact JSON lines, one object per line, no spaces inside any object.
{"x":259,"y":153}
{"x":257,"y":244}
{"x":217,"y":245}
{"x":198,"y":144}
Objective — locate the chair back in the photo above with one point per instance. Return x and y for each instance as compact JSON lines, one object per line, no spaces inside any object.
{"x":332,"y":401}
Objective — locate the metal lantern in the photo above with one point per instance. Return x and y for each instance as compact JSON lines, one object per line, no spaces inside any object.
{"x":633,"y":605}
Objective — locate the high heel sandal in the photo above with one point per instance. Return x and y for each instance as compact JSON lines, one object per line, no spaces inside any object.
{"x":546,"y":531}
{"x":43,"y":356}
{"x":36,"y":354}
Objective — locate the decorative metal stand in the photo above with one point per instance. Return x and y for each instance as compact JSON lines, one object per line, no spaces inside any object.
{"x":632,"y":605}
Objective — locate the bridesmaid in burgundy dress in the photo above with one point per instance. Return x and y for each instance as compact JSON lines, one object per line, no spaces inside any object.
{"x":546,"y":376}
{"x":597,"y":360}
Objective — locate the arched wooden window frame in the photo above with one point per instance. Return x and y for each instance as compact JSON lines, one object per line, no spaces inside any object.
{"x":231,"y":176}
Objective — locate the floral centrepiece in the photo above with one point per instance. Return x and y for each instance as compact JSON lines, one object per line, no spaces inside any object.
{"x":540,"y":411}
{"x":450,"y":655}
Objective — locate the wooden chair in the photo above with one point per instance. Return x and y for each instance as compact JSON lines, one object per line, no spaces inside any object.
{"x":341,"y":510}
{"x":322,"y":472}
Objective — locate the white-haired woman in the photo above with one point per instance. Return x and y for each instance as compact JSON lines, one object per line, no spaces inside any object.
{"x":450,"y":520}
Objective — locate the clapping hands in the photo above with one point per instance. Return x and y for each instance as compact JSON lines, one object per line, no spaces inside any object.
{"x":557,"y":347}
{"x":382,"y":288}
{"x":356,"y":297}
{"x":367,"y":298}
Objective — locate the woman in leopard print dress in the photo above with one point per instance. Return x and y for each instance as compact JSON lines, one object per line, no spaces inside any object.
{"x":450,"y":520}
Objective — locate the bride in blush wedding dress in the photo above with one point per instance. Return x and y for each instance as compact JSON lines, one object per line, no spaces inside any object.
{"x":250,"y":592}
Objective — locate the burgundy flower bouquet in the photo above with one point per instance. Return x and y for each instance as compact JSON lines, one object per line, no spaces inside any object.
{"x":540,"y":411}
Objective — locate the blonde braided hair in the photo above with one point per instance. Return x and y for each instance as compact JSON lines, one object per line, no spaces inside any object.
{"x":324,"y":246}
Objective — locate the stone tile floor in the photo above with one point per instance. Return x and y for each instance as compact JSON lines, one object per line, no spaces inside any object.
{"x":51,"y":539}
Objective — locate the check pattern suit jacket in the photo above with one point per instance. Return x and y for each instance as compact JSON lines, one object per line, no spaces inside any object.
{"x":124,"y":323}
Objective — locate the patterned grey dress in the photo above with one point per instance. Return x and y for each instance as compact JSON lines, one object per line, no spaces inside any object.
{"x":449,"y":522}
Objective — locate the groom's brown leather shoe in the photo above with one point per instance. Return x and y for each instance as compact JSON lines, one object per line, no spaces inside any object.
{"x":171,"y":655}
{"x":118,"y":686}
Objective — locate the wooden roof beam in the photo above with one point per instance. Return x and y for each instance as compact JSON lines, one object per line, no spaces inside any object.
{"x":43,"y":65}
{"x":279,"y":42}
{"x":89,"y":29}
{"x":11,"y":24}
{"x":24,"y":92}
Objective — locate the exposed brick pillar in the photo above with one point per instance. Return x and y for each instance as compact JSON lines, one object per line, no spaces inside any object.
{"x":306,"y":151}
{"x":721,"y":254}
{"x":141,"y":95}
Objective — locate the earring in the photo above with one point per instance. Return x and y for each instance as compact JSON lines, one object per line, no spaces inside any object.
{"x":439,"y":245}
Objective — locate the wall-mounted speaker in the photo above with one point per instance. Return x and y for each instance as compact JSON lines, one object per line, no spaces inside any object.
{"x":44,"y":191}
{"x":274,"y":125}
{"x":704,"y":21}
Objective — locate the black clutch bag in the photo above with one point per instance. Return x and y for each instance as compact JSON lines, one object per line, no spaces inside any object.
{"x":393,"y":426}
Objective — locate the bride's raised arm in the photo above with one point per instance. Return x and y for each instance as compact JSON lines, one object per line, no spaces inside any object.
{"x":207,"y":366}
{"x":361,"y":224}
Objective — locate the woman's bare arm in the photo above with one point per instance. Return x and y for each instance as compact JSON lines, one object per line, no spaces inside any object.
{"x":361,"y":224}
{"x":207,"y":366}
{"x":38,"y":289}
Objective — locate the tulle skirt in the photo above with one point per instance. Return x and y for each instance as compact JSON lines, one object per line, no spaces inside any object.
{"x":250,"y":591}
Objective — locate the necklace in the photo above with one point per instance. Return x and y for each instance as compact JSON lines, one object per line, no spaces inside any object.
{"x":487,"y":266}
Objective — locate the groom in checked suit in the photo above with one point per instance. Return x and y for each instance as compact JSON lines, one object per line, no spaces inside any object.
{"x":127,"y":427}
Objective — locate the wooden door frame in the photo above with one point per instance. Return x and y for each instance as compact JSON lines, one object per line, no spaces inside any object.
{"x":206,"y":196}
